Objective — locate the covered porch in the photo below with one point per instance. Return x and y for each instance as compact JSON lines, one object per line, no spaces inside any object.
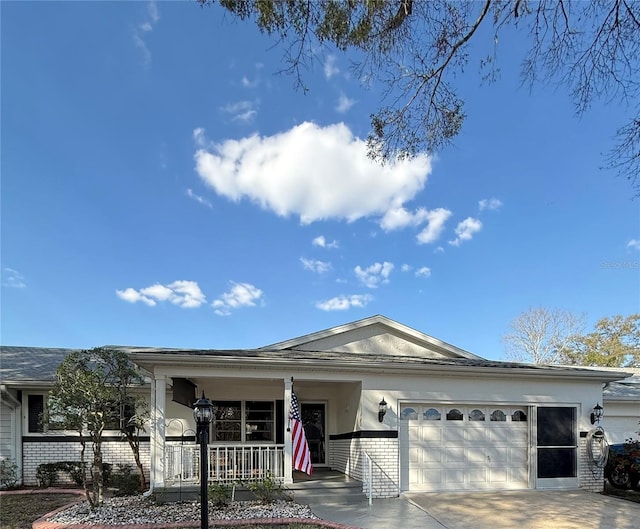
{"x":249,"y":436}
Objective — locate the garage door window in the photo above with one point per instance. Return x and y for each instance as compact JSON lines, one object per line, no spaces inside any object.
{"x":498,"y":416}
{"x":519,"y":416}
{"x":432,"y":415}
{"x":476,"y":415}
{"x":454,"y":415}
{"x":409,"y":414}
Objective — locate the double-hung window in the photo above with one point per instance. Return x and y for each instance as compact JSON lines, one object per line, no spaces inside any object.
{"x":243,"y":421}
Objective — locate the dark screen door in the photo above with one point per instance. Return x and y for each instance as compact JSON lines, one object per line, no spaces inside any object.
{"x":313,"y":420}
{"x":557,"y":442}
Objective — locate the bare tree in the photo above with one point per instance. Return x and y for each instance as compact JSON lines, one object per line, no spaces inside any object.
{"x":419,"y":50}
{"x":540,"y":335}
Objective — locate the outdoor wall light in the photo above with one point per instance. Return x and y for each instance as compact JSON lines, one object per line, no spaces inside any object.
{"x":382,"y":410}
{"x":203,"y":413}
{"x":597,"y":413}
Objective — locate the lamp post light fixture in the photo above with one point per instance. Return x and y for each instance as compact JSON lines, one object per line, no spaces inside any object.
{"x":597,"y":413}
{"x":203,"y":413}
{"x":382,"y":410}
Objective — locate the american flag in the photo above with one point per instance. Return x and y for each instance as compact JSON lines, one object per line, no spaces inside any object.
{"x":301,"y":454}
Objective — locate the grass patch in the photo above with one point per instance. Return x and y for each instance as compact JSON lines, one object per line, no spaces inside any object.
{"x":19,"y":511}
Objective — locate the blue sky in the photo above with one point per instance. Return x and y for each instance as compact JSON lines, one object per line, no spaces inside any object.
{"x":163,"y":185}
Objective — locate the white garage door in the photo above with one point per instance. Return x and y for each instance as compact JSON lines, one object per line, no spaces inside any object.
{"x":463,"y":447}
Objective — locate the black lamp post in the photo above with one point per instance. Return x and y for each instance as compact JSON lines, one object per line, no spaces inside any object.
{"x":203,"y":413}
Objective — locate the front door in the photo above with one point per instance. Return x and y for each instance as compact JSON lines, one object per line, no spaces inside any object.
{"x":557,"y":447}
{"x":314,"y":422}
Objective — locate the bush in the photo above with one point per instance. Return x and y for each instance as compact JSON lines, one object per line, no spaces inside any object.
{"x":269,"y":489}
{"x":219,"y":494}
{"x":125,"y":481}
{"x":8,"y":474}
{"x":47,"y":473}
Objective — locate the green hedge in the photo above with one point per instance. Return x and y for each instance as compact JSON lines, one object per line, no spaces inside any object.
{"x":47,"y":473}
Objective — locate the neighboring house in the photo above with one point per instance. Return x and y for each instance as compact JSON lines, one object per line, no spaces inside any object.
{"x":453,"y":421}
{"x":621,"y":401}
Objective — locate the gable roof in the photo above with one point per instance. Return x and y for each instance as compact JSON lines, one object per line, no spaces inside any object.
{"x":375,"y":335}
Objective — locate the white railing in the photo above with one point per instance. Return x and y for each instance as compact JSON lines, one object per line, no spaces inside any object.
{"x":367,"y":475}
{"x":227,"y":463}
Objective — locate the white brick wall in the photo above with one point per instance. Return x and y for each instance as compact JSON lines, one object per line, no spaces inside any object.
{"x":35,"y":453}
{"x":384,"y":453}
{"x":348,"y":458}
{"x":591,"y":476}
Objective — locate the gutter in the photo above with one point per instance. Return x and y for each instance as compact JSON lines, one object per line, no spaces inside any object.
{"x":270,"y":364}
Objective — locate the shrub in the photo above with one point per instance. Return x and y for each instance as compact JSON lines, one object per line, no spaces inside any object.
{"x":219,"y":494}
{"x":8,"y":474}
{"x":47,"y":473}
{"x":269,"y":489}
{"x":125,"y":481}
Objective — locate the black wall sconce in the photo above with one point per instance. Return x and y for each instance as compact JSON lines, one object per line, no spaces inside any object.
{"x":597,"y":413}
{"x":382,"y":410}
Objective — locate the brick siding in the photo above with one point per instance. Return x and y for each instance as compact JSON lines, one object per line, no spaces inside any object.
{"x":117,"y":452}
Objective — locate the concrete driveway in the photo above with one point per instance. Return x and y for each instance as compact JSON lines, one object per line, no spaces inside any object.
{"x":531,"y":509}
{"x":528,"y":510}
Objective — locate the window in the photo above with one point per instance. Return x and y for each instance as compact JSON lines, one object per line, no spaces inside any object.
{"x":259,"y":421}
{"x":227,"y":421}
{"x":518,"y":416}
{"x":498,"y":416}
{"x":243,"y":421}
{"x":476,"y":415}
{"x":409,"y":414}
{"x":36,"y":410}
{"x":120,"y":417}
{"x":454,"y":415}
{"x":431,"y":415}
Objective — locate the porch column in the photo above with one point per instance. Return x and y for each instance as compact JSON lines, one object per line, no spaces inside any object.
{"x":288,"y":445}
{"x":158,"y":403}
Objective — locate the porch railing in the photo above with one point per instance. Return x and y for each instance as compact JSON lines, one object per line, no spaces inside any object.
{"x":367,"y":475}
{"x":227,"y":463}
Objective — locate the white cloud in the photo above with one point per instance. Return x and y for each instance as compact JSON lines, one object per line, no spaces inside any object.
{"x":344,"y":103}
{"x":405,"y":268}
{"x":400,"y":218}
{"x":374,"y":275}
{"x":424,"y":271}
{"x":146,"y":27}
{"x":199,"y":137}
{"x":492,"y":204}
{"x":12,"y":278}
{"x":344,"y":302}
{"x":436,"y":219}
{"x":330,"y":68}
{"x":248,"y":83}
{"x":132,"y":296}
{"x":466,"y":230}
{"x":152,"y":9}
{"x":185,"y":294}
{"x":240,"y":110}
{"x":322,"y":242}
{"x":319,"y":267}
{"x":198,"y":198}
{"x":314,"y":172}
{"x":634,"y":244}
{"x":240,"y":295}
